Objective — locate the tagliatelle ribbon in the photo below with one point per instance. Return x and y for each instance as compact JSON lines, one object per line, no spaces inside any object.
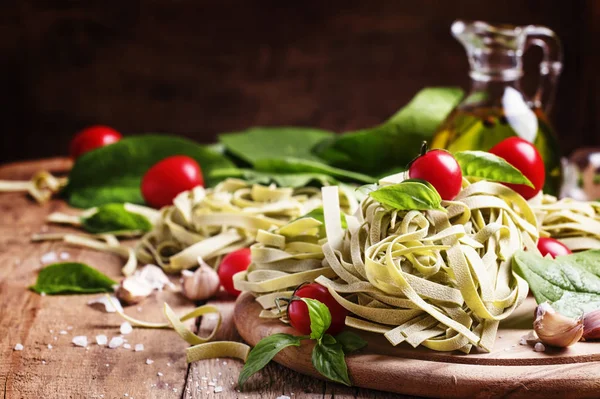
{"x":202,"y":348}
{"x":41,"y":186}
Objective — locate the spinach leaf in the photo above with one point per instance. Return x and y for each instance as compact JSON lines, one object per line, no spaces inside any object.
{"x":266,"y":142}
{"x":71,"y":278}
{"x":320,"y":318}
{"x":396,"y":142}
{"x":264,"y":351}
{"x":329,"y":360}
{"x":484,"y":165}
{"x":293,"y":180}
{"x":294,"y":165}
{"x":570,"y":283}
{"x":350,"y":341}
{"x":408,"y":195}
{"x":113,"y":173}
{"x":114,"y":217}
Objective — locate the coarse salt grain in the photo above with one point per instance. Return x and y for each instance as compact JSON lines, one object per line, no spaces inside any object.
{"x":101,"y":339}
{"x":69,"y":328}
{"x":115,"y":342}
{"x":49,"y":346}
{"x":159,"y":374}
{"x":168,"y":364}
{"x":64,"y":255}
{"x":283,"y":397}
{"x":43,"y":362}
{"x":49,"y":257}
{"x":218,"y":389}
{"x":149,"y":361}
{"x":138,"y":347}
{"x":126,"y":328}
{"x":126,"y":346}
{"x":539,"y":347}
{"x":18,"y":347}
{"x":63,"y":332}
{"x":80,"y":340}
{"x":224,"y":363}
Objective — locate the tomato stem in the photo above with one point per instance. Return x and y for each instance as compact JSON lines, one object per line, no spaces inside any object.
{"x":424,"y":148}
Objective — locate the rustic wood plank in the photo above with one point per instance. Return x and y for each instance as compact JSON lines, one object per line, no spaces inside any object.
{"x":36,"y":321}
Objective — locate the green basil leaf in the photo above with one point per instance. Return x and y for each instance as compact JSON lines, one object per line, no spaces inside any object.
{"x":318,"y":214}
{"x":350,"y":341}
{"x":114,"y":217}
{"x":71,"y":278}
{"x":367,"y":189}
{"x":394,"y":143}
{"x":264,"y":142}
{"x":329,"y":360}
{"x":264,"y":351}
{"x":113,"y":173}
{"x":293,"y":180}
{"x":320,"y":318}
{"x":408,"y":195}
{"x":487,"y":166}
{"x":570,"y":283}
{"x":296,"y":165}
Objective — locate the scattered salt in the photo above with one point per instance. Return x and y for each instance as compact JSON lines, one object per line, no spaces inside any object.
{"x":283,"y":397}
{"x":139,"y":309}
{"x":63,"y":332}
{"x":204,"y":379}
{"x":101,"y":339}
{"x":168,"y":364}
{"x":80,"y":340}
{"x":218,"y":389}
{"x":126,"y":328}
{"x":109,"y":305}
{"x":220,"y":373}
{"x":51,"y":331}
{"x":69,"y":328}
{"x":49,"y":346}
{"x":43,"y":362}
{"x":126,"y":346}
{"x":115,"y":342}
{"x":212,"y":384}
{"x":149,"y":361}
{"x":174,"y":389}
{"x":159,"y":374}
{"x":539,"y":347}
{"x":139,"y":347}
{"x":18,"y":347}
{"x":55,"y":338}
{"x":64,"y":255}
{"x":126,"y":395}
{"x":224,"y":363}
{"x":107,"y":365}
{"x":49,"y":257}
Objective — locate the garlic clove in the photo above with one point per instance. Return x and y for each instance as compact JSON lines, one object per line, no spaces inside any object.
{"x":200,"y":285}
{"x":591,"y":325}
{"x":555,"y":329}
{"x":134,"y":289}
{"x":156,"y":277}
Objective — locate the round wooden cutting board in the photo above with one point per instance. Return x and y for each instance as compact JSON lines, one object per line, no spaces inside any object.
{"x":510,"y":370}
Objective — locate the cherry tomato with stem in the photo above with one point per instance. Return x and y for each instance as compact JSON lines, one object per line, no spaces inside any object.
{"x":170,"y":177}
{"x":298,"y":311}
{"x":526,"y":158}
{"x":553,"y":247}
{"x":233,"y":263}
{"x":439,"y":168}
{"x":91,"y":138}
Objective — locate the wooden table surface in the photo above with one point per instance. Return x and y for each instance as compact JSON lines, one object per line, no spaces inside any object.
{"x":50,"y":366}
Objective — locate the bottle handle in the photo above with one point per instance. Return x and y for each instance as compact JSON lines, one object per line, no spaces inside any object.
{"x":550,"y":66}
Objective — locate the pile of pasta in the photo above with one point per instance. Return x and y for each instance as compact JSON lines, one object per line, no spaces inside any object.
{"x":438,"y":278}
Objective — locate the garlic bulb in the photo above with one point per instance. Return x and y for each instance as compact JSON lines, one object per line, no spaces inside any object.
{"x":200,"y":285}
{"x":591,"y":325}
{"x":134,"y":289}
{"x":555,"y":329}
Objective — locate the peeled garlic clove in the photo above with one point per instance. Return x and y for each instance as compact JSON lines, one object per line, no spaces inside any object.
{"x":134,"y":289}
{"x":156,"y":277}
{"x":591,"y":325}
{"x":555,"y":329}
{"x":200,"y":285}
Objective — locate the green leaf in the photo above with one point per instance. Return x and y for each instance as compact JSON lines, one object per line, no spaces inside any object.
{"x":293,"y":180}
{"x":318,"y":214}
{"x":71,"y":278}
{"x":329,"y":360}
{"x":265,"y":142}
{"x":396,"y":142}
{"x":113,"y":173}
{"x":487,"y":166}
{"x":350,"y":341}
{"x":264,"y":351}
{"x":320,"y":318}
{"x":570,"y":283}
{"x":295,"y":165}
{"x":114,"y":217}
{"x":408,"y":195}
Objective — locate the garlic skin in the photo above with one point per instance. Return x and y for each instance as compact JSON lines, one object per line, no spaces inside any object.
{"x":134,"y":289}
{"x":591,"y":325}
{"x":555,"y":329}
{"x":200,"y":285}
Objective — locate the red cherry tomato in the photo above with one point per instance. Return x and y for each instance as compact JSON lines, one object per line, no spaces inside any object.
{"x":298,"y":311}
{"x":439,"y":168}
{"x":553,"y":247}
{"x":169,"y":177}
{"x":524,"y":156}
{"x":233,"y":263}
{"x":91,"y":138}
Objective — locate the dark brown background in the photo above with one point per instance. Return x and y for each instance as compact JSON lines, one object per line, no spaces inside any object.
{"x":198,"y":67}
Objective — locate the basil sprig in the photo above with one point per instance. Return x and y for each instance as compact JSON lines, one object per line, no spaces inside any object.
{"x":327,"y":356}
{"x":114,"y":217}
{"x":71,"y":278}
{"x":411,"y":194}
{"x":487,"y":166}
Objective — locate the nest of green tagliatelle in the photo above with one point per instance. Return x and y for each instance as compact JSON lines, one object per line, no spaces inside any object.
{"x":210,"y":223}
{"x":439,"y":278}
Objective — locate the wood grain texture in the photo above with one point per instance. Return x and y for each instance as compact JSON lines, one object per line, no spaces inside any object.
{"x":510,"y":370}
{"x":198,"y":68}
